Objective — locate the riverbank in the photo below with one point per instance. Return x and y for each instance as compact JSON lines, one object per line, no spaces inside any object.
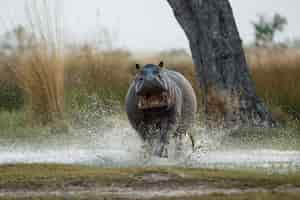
{"x":41,"y":181}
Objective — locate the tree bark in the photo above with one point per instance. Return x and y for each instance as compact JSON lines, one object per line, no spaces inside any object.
{"x":229,"y":95}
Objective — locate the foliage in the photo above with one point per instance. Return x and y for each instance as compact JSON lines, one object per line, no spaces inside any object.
{"x":51,"y":176}
{"x":11,"y":95}
{"x":276,"y":74}
{"x":16,"y":41}
{"x":41,"y":75}
{"x":104,"y":73}
{"x":265,"y":29}
{"x":96,"y":81}
{"x":87,"y":78}
{"x":35,"y":56}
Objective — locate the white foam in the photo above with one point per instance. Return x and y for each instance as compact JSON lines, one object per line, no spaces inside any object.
{"x":120,"y":146}
{"x":259,"y":158}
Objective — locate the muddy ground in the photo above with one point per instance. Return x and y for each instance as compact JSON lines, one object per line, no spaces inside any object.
{"x":81,"y":182}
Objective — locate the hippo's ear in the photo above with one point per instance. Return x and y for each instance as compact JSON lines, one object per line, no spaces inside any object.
{"x":137,"y":66}
{"x":161,"y":64}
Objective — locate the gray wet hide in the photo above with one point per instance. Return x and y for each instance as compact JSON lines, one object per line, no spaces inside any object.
{"x":161,"y":106}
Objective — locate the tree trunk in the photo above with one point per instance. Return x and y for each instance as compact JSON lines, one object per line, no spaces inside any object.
{"x":229,"y":94}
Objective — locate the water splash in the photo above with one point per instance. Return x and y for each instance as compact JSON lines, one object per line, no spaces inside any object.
{"x":118,"y":145}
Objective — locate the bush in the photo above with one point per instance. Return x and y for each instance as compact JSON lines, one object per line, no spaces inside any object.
{"x":11,"y":95}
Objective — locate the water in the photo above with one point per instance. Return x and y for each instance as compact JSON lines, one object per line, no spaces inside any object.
{"x":262,"y":159}
{"x":119,"y":146}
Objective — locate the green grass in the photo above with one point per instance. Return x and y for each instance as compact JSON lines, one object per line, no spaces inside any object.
{"x":48,"y":176}
{"x":93,"y":78}
{"x":12,"y":120}
{"x":283,"y":138}
{"x":244,"y":196}
{"x":42,"y":177}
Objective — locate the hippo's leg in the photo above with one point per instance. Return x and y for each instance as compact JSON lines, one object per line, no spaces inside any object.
{"x":179,"y":143}
{"x":192,"y":138}
{"x":167,"y":129}
{"x":146,"y":151}
{"x":144,"y":132}
{"x":161,"y":148}
{"x":178,"y":146}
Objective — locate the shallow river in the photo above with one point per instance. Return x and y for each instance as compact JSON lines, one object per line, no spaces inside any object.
{"x":120,"y":147}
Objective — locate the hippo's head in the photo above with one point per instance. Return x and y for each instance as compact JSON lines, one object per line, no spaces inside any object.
{"x":151,"y":87}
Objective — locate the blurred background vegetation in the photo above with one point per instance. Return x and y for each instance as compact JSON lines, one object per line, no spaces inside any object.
{"x":42,"y":84}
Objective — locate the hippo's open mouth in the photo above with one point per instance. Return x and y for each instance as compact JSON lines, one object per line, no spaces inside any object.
{"x":149,"y":101}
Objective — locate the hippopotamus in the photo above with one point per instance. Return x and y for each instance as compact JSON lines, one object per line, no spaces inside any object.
{"x":161,"y":105}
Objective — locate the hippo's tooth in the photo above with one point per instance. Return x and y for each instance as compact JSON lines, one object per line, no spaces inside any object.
{"x":169,"y":101}
{"x":140,"y":104}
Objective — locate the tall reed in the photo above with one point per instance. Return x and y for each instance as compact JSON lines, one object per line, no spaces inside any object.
{"x":276,"y":75}
{"x":40,"y":67}
{"x":104,"y":73}
{"x":42,"y":77}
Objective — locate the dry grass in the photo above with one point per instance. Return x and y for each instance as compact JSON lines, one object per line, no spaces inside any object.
{"x":48,"y":77}
{"x":69,"y":182}
{"x":52,"y":77}
{"x":106,"y":73}
{"x":54,"y":176}
{"x":39,"y":68}
{"x":41,"y":75}
{"x":87,"y":71}
{"x":276,"y":75}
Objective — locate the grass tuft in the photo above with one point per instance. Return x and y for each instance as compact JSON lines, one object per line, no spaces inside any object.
{"x":39,"y":66}
{"x":41,"y":75}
